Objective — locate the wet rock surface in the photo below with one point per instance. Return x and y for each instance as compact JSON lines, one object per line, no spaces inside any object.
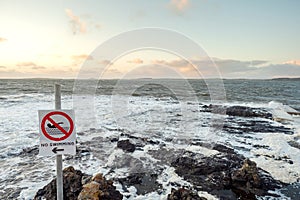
{"x":11,"y":193}
{"x":238,"y":126}
{"x":99,"y":188}
{"x":243,"y":119}
{"x":72,"y":185}
{"x":143,"y":160}
{"x":226,"y":175}
{"x":126,"y":146}
{"x":240,"y":111}
{"x":77,"y":185}
{"x":184,"y":194}
{"x":144,"y":183}
{"x":30,"y":151}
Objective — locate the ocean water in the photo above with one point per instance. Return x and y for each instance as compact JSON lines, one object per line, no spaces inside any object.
{"x":159,"y":109}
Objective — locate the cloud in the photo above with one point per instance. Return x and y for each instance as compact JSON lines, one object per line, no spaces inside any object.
{"x":136,"y":61}
{"x":230,"y":68}
{"x":106,"y":62}
{"x":77,"y":24}
{"x":26,"y":64}
{"x":38,"y":67}
{"x":11,"y":74}
{"x":276,"y":70}
{"x":3,"y":39}
{"x":258,"y":62}
{"x":213,"y":68}
{"x":82,"y":57}
{"x":292,"y":62}
{"x":152,"y":71}
{"x":179,"y":6}
{"x":31,"y":65}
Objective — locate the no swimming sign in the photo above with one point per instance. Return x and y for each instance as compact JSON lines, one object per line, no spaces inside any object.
{"x":57,"y":132}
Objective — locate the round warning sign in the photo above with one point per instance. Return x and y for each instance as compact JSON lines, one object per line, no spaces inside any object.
{"x":57,"y":126}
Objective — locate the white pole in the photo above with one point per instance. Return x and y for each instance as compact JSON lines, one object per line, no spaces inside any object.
{"x":59,"y":175}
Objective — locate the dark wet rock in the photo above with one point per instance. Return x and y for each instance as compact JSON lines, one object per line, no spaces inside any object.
{"x":10,"y":193}
{"x":183,"y":194}
{"x":223,"y":149}
{"x":76,"y":183}
{"x":165,"y":155}
{"x":214,"y":109}
{"x":134,"y":165}
{"x":247,"y":181}
{"x":240,"y":126}
{"x":129,"y":136}
{"x":294,"y":144}
{"x":243,"y":111}
{"x":277,"y":158}
{"x":114,"y":140}
{"x":126,"y":145}
{"x":240,"y":111}
{"x":30,"y":151}
{"x":209,"y":174}
{"x":143,"y":182}
{"x":99,"y":188}
{"x":258,"y":146}
{"x":72,"y":185}
{"x":149,"y":141}
{"x":140,"y":141}
{"x":243,"y":119}
{"x":292,"y":190}
{"x":226,"y":175}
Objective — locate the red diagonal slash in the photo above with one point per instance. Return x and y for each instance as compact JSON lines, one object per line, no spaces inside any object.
{"x":47,"y":117}
{"x":57,"y":126}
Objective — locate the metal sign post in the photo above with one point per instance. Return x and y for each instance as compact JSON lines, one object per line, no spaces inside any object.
{"x":57,"y":136}
{"x":59,"y":176}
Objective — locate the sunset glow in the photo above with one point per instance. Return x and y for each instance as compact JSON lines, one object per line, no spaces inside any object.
{"x":53,"y":39}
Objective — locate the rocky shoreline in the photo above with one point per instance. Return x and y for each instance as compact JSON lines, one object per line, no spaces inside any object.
{"x":225,"y":175}
{"x":219,"y":170}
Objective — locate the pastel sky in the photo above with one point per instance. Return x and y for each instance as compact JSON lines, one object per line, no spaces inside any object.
{"x":243,"y":39}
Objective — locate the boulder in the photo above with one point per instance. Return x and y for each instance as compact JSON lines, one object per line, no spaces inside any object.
{"x":183,"y":194}
{"x":249,"y":125}
{"x":126,"y":145}
{"x":226,"y":175}
{"x":77,"y":185}
{"x":249,"y":181}
{"x":244,"y":111}
{"x":72,"y":185}
{"x":143,"y":182}
{"x":90,"y":191}
{"x":240,"y":111}
{"x":99,"y":189}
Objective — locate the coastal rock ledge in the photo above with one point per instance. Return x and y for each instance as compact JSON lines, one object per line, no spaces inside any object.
{"x":78,"y":185}
{"x":226,"y":175}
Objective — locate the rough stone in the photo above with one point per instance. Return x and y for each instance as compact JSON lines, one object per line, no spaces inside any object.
{"x":90,"y":191}
{"x":183,"y":194}
{"x":126,"y":145}
{"x":72,"y":185}
{"x":239,"y":126}
{"x":144,"y":183}
{"x":240,"y":111}
{"x":247,"y":181}
{"x":226,"y":175}
{"x":99,"y":189}
{"x":77,"y":185}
